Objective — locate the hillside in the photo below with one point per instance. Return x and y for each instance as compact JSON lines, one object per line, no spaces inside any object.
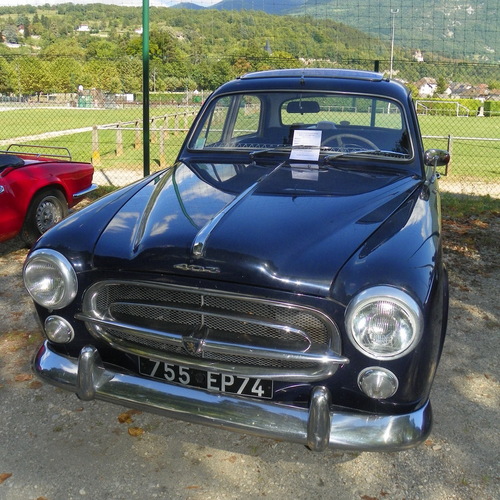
{"x":457,"y":29}
{"x":56,"y":48}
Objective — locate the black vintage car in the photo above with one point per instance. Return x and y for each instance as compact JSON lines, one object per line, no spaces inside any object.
{"x":284,"y":278}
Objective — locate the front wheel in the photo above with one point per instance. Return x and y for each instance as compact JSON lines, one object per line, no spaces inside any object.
{"x":46,"y":209}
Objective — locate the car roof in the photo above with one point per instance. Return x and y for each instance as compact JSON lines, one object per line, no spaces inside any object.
{"x":316,"y":79}
{"x":350,"y":74}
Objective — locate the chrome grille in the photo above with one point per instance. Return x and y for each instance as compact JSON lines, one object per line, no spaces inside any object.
{"x":203,"y":328}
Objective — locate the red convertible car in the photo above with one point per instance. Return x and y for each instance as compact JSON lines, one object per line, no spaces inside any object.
{"x":38,"y":184}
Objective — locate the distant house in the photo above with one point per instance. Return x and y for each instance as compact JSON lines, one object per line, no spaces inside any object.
{"x":459,"y":89}
{"x":83,"y":28}
{"x":494,"y":95}
{"x":426,"y":87}
{"x":467,"y":91}
{"x":418,"y":56}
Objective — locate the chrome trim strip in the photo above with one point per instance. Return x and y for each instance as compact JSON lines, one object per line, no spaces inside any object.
{"x":216,"y":313}
{"x":326,"y":363}
{"x":318,"y":427}
{"x":85,"y":192}
{"x":312,"y":363}
{"x":199,"y":242}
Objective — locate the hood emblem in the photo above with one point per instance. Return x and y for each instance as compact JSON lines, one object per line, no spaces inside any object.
{"x":192,"y":346}
{"x":194,"y":343}
{"x":197,"y":269}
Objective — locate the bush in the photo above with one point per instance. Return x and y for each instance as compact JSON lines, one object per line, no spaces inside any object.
{"x":492,"y":108}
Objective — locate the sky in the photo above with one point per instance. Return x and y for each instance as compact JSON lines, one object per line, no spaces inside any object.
{"x":137,"y":3}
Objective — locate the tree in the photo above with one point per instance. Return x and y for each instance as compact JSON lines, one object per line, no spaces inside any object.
{"x":102,"y":49}
{"x":66,"y":74}
{"x":442,"y":85}
{"x":7,"y":80}
{"x":63,"y":48}
{"x":130,"y":71}
{"x":102,"y":75}
{"x":33,"y":75}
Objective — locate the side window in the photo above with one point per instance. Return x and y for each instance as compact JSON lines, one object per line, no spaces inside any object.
{"x":212,"y":128}
{"x":248,"y":117}
{"x":229,"y":120}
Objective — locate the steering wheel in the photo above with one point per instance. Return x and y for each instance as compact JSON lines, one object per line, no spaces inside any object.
{"x":339,"y":138}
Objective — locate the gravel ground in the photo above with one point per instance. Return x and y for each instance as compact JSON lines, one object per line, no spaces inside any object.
{"x":55,"y":447}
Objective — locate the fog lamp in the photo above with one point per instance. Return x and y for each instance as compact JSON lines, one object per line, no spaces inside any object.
{"x":378,"y":383}
{"x":58,"y":330}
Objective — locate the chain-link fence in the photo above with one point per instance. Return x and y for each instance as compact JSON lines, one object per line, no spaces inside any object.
{"x":106,"y":129}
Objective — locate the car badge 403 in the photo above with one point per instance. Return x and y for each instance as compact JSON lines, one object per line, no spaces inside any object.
{"x":197,"y":269}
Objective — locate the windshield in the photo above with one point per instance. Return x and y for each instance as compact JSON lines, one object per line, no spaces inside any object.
{"x":342,"y":123}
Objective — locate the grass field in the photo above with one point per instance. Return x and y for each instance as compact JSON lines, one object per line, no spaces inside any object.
{"x":471,"y":159}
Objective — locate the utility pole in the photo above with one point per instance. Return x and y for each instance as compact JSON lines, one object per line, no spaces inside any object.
{"x":145,"y":86}
{"x":393,"y":15}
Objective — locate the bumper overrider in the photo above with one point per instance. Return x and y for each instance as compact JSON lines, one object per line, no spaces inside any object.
{"x":316,"y":426}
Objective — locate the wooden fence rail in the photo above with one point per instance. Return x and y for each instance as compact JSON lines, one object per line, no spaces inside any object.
{"x":158,"y":125}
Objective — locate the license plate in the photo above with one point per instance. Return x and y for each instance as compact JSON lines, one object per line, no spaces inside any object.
{"x":211,"y":381}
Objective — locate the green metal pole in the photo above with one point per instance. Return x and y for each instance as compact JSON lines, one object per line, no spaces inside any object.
{"x":145,"y":86}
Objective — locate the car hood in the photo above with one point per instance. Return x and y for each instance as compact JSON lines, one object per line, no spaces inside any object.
{"x":285,"y":228}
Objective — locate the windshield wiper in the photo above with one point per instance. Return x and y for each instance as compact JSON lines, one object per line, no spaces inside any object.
{"x":268,"y":151}
{"x":377,"y":152}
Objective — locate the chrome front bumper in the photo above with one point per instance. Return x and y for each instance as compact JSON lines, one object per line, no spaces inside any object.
{"x":316,"y":426}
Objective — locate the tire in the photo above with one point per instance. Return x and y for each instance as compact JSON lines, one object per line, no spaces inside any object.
{"x":46,"y":209}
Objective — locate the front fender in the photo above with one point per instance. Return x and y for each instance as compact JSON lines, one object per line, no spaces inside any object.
{"x":406,"y":253}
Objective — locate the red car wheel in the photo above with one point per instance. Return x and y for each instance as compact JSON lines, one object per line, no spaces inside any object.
{"x":46,"y":209}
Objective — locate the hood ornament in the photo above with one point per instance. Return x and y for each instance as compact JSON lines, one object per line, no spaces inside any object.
{"x":198,"y":246}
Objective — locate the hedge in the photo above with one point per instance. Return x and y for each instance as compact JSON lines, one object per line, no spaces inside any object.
{"x":492,"y":108}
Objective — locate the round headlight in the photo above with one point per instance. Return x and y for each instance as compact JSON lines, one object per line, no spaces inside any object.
{"x":50,"y":279}
{"x":384,"y":322}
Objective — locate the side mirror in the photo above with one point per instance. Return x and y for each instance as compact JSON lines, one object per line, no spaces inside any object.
{"x":436,"y":158}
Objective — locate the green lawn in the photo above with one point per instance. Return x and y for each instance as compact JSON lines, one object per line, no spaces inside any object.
{"x":471,"y":160}
{"x":31,"y":121}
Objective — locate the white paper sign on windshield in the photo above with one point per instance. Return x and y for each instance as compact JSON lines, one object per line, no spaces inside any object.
{"x":306,"y":145}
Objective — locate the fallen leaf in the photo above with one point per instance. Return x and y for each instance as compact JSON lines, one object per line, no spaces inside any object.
{"x":368,"y":497}
{"x":4,"y":477}
{"x":36,"y":384}
{"x":135,"y":431}
{"x":192,"y":487}
{"x":23,"y":377}
{"x":126,"y":417}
